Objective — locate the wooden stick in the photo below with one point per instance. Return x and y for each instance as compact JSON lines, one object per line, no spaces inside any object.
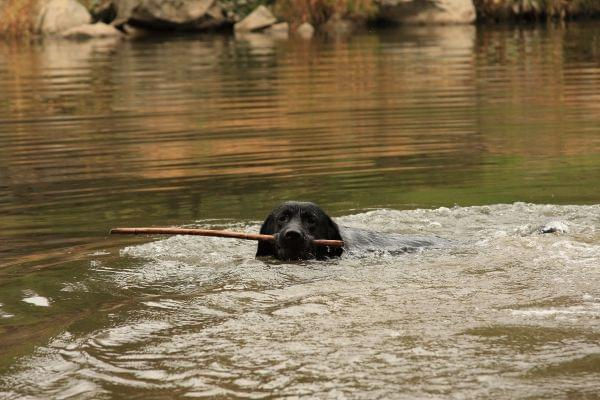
{"x":210,"y":232}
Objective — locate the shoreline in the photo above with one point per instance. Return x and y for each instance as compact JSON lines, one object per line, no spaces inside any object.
{"x":32,"y":19}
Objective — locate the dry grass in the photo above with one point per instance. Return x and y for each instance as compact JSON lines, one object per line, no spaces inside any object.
{"x":17,"y":17}
{"x":317,"y":12}
{"x":535,"y":9}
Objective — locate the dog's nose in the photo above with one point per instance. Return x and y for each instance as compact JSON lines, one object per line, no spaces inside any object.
{"x":292,"y":235}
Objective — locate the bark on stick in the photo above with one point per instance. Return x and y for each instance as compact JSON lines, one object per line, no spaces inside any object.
{"x":211,"y":232}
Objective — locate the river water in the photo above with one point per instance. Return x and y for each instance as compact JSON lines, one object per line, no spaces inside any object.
{"x":478,"y":135}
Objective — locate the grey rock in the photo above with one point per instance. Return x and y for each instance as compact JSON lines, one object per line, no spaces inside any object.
{"x":279,"y":31}
{"x":427,"y":11}
{"x":282,"y":27}
{"x":57,"y":16}
{"x":305,"y":30}
{"x":90,"y":31}
{"x":258,"y":19}
{"x":183,"y":14}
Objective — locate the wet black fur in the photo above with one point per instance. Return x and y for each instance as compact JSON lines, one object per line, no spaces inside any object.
{"x":311,"y":222}
{"x":308,"y":222}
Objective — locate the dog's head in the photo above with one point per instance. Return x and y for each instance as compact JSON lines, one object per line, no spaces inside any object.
{"x":295,"y":225}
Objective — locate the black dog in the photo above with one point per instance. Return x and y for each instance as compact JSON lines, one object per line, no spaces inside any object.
{"x":296,"y":224}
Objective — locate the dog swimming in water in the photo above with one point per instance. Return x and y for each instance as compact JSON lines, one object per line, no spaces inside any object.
{"x":296,"y":224}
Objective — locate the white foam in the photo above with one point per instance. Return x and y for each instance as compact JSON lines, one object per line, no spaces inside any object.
{"x":591,"y":310}
{"x":36,"y":300}
{"x":4,"y":314}
{"x":377,"y":319}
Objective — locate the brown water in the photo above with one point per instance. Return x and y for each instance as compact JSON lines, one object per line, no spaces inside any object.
{"x":213,"y":131}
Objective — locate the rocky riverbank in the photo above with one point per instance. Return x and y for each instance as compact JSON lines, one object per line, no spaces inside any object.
{"x":92,"y":18}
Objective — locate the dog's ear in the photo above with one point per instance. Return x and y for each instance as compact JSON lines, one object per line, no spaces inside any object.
{"x":333,"y":233}
{"x":268,"y":228}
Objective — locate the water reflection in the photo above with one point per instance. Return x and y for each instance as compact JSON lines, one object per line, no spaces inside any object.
{"x":167,"y":131}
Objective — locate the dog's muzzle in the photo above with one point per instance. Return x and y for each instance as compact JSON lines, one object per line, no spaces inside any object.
{"x":293,"y":244}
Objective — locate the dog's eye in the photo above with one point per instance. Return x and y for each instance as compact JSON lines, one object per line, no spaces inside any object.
{"x":283,"y":218}
{"x":309,"y":219}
